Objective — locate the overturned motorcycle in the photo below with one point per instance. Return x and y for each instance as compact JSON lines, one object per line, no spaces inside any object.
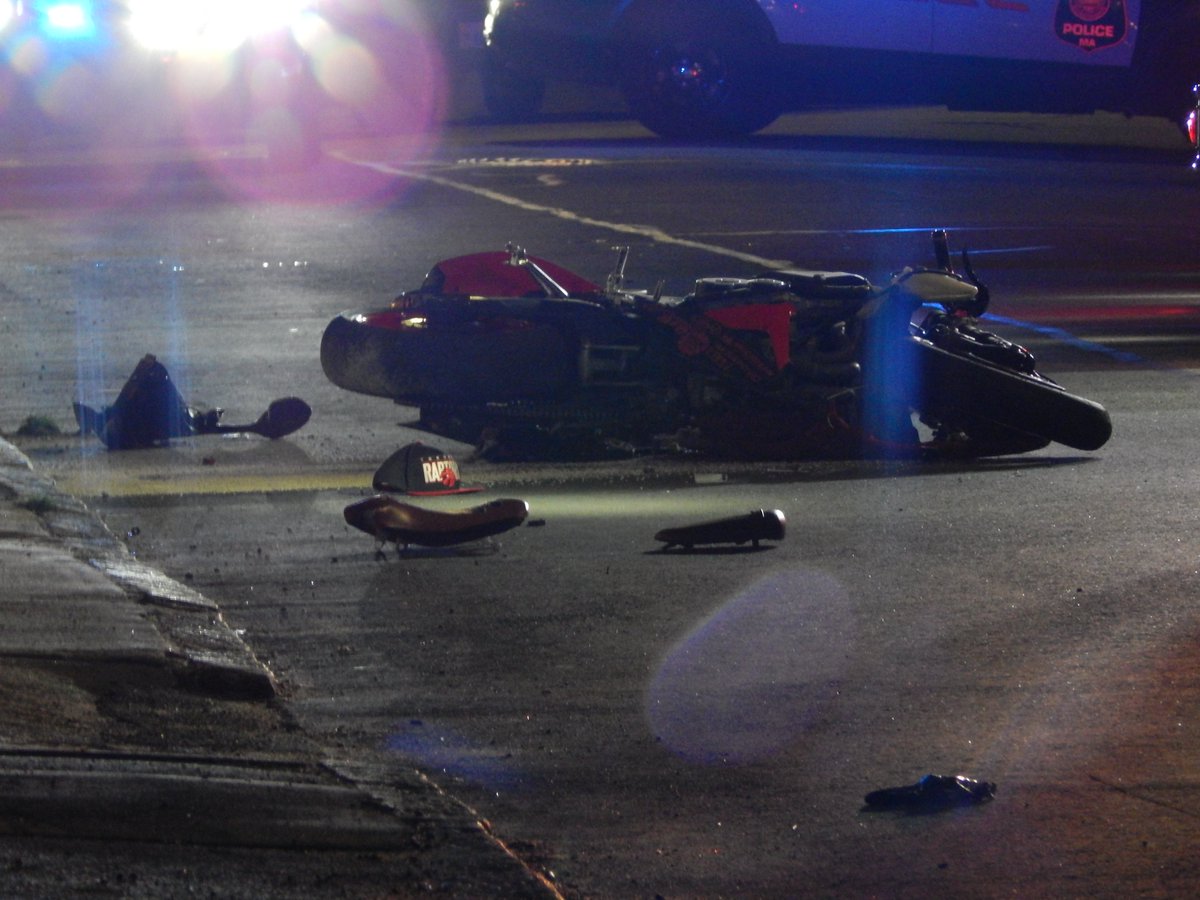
{"x":525,"y":359}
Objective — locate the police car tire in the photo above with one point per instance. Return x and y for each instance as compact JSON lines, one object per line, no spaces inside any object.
{"x":732,"y":93}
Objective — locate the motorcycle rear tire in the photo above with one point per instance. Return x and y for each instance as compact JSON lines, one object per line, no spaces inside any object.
{"x":417,"y":365}
{"x":1026,"y":403}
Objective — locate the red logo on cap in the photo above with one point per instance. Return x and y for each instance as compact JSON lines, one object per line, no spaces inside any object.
{"x":443,"y":471}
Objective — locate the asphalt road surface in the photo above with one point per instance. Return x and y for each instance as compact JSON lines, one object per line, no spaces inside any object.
{"x":640,"y":723}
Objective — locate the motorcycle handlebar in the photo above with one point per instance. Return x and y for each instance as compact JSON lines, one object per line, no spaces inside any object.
{"x":941,"y":249}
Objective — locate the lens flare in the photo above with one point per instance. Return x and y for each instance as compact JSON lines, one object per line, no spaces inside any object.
{"x":29,"y":55}
{"x":747,"y":682}
{"x":348,"y":73}
{"x":289,"y":102}
{"x":441,"y":749}
{"x":67,"y":95}
{"x":892,"y":382}
{"x":200,"y":78}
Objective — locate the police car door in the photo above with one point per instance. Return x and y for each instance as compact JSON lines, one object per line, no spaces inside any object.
{"x":858,"y":24}
{"x":1087,"y":32}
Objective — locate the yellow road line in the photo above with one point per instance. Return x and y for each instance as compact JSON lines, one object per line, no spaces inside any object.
{"x":111,"y":484}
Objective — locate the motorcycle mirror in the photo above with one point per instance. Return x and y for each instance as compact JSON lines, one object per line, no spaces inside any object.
{"x":518,"y":257}
{"x":281,"y":418}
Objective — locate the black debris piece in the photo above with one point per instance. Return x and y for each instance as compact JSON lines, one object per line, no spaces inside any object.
{"x":933,"y":793}
{"x":760,"y":525}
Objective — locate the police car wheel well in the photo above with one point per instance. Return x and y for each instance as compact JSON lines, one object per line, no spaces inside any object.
{"x":743,"y":17}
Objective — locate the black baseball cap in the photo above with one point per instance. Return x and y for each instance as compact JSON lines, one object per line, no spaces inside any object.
{"x":421,"y":470}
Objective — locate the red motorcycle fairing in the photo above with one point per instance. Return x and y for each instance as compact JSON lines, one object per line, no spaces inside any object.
{"x":773,"y":319}
{"x":492,"y":275}
{"x":440,"y":341}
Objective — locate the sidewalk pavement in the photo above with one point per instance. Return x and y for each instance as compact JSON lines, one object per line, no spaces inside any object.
{"x":143,"y":746}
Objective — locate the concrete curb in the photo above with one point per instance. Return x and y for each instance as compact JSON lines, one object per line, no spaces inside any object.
{"x":44,"y":531}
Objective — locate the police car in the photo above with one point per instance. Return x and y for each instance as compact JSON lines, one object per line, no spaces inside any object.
{"x":707,"y":68}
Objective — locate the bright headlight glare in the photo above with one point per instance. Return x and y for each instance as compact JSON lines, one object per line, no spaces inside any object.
{"x":168,"y":24}
{"x":489,"y":20}
{"x":66,"y":19}
{"x":209,"y":25}
{"x":66,"y":16}
{"x":267,"y":15}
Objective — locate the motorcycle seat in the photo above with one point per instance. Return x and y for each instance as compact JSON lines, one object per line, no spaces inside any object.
{"x":817,"y":285}
{"x":389,"y":520}
{"x":736,"y":290}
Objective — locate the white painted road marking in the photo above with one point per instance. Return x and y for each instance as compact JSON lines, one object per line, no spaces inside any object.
{"x":649,"y":232}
